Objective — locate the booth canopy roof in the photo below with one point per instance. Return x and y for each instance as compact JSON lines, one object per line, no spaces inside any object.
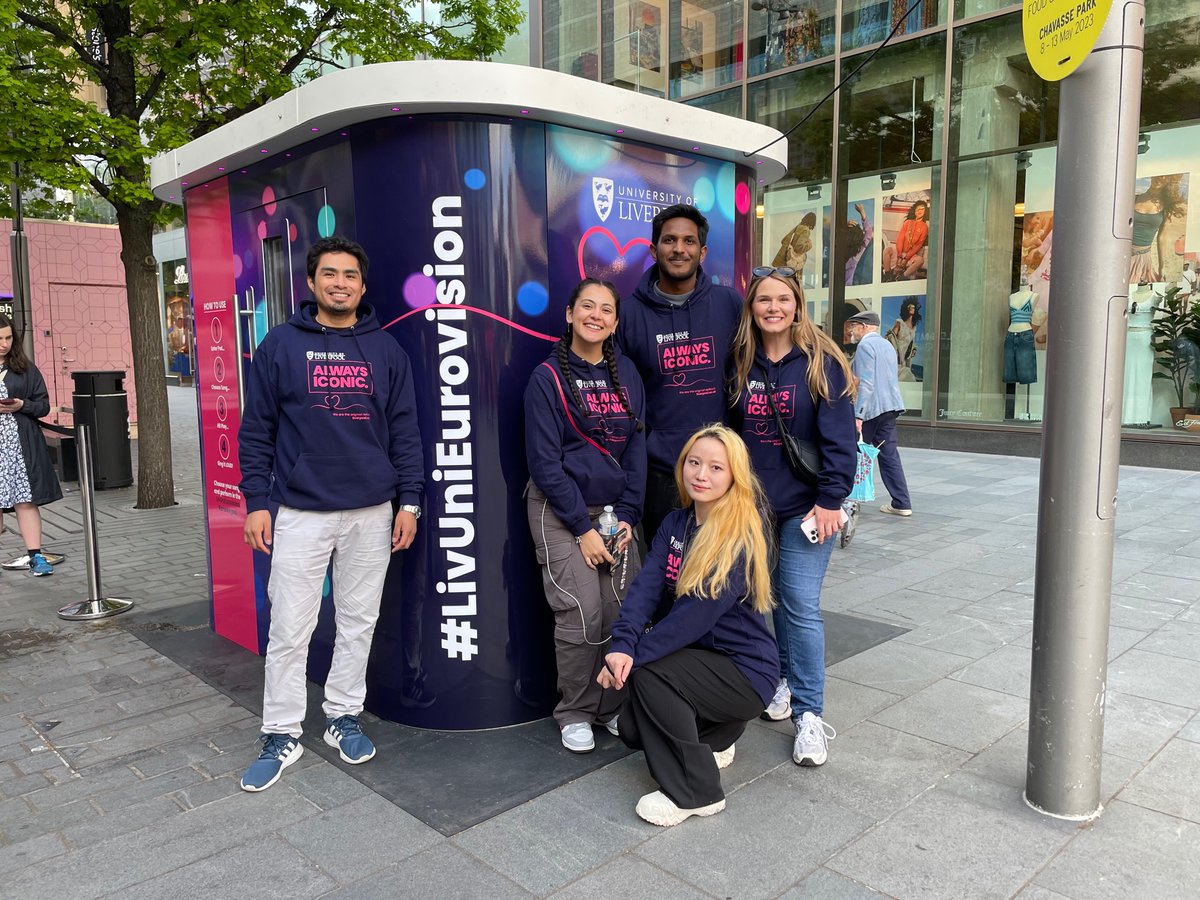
{"x":418,"y":87}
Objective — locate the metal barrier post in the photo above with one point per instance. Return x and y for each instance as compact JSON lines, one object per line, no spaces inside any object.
{"x":96,"y":606}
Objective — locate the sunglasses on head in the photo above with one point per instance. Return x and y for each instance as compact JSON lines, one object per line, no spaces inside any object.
{"x":764,"y":271}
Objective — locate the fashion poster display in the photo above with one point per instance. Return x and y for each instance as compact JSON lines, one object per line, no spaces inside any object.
{"x":905,"y":236}
{"x":858,"y":237}
{"x":902,"y":323}
{"x":1037,"y":240}
{"x":798,"y":246}
{"x":1160,"y":215}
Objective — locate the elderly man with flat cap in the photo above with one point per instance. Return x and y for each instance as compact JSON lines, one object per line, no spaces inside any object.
{"x":878,"y":404}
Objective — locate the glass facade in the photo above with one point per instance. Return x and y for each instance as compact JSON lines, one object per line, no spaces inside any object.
{"x":924,"y":187}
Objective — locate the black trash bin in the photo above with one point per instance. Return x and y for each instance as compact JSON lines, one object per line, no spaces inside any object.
{"x":101,"y":403}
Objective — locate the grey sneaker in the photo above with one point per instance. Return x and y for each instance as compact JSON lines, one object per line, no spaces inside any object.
{"x":893,"y":511}
{"x":851,"y":525}
{"x":780,"y":707}
{"x":812,"y":740}
{"x":612,"y":727}
{"x":577,"y":737}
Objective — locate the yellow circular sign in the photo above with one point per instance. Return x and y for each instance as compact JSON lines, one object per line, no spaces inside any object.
{"x":1059,"y":34}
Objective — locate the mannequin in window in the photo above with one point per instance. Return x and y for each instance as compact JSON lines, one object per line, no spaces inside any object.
{"x":1138,"y":393}
{"x":1020,"y":358}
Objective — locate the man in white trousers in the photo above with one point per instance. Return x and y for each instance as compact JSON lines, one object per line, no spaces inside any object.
{"x":329,"y":433}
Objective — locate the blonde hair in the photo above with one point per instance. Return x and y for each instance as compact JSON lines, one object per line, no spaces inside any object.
{"x":810,"y":339}
{"x":733,"y":530}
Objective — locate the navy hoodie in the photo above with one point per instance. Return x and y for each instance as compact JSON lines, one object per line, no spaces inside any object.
{"x":680,"y":352}
{"x":330,"y":421}
{"x":726,"y":624}
{"x":571,"y":472}
{"x":830,"y":424}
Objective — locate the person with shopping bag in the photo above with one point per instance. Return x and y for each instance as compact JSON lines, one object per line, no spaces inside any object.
{"x":879,"y":404}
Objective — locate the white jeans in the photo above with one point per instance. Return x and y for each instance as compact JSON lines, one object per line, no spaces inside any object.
{"x":360,"y":542}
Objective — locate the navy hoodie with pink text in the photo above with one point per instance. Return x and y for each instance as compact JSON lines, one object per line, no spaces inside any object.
{"x":828,"y":423}
{"x":680,"y":352}
{"x":331,"y":420}
{"x":569,"y":467}
{"x":725,"y":624}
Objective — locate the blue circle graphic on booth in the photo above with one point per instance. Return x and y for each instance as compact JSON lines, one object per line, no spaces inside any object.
{"x":326,"y":221}
{"x":474,"y":179}
{"x":726,"y":188}
{"x":533,"y":298}
{"x":580,"y":151}
{"x":704,"y":195}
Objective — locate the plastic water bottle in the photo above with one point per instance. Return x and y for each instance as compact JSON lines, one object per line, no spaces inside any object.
{"x":607,"y":526}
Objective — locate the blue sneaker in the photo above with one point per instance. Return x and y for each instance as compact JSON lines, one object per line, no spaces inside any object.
{"x":279,"y":751}
{"x":39,"y":565}
{"x":345,"y":733}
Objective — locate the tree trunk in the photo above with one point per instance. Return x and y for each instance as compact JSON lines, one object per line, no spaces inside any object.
{"x":155,"y":481}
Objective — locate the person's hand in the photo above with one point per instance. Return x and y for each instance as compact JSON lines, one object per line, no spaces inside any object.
{"x":829,"y":522}
{"x":258,"y":530}
{"x":591,"y":545}
{"x":617,"y":667}
{"x":625,"y":530}
{"x":861,"y":210}
{"x":11,"y":405}
{"x":858,"y":425}
{"x":404,"y":530}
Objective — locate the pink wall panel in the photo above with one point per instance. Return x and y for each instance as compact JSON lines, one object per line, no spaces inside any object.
{"x":80,"y":313}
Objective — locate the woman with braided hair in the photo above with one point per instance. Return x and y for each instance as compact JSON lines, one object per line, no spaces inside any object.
{"x":586,"y":449}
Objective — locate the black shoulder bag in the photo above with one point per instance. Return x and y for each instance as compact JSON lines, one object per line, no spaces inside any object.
{"x":803,"y":456}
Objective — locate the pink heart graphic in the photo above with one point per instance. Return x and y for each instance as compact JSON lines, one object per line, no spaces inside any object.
{"x":760,"y":427}
{"x":679,"y":378}
{"x":618,"y":267}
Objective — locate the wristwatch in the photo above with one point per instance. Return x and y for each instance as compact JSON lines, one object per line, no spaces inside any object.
{"x":410,"y":508}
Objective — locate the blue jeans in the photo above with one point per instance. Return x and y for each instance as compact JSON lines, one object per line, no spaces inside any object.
{"x":799,"y":629}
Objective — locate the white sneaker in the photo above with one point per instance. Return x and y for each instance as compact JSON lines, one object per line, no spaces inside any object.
{"x":659,"y":809}
{"x":780,"y":707}
{"x":812,"y":740}
{"x":724,"y":758}
{"x":577,"y":737}
{"x":851,"y":525}
{"x":611,"y":726}
{"x":893,"y":511}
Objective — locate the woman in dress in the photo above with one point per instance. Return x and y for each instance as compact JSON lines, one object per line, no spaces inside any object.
{"x":905,"y":259}
{"x":1161,"y":201}
{"x":27,"y":478}
{"x":698,"y":675}
{"x":787,"y":370}
{"x":902,"y":336}
{"x":586,"y":449}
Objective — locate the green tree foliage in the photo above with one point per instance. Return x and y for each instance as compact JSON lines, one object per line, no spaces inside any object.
{"x":173,"y":70}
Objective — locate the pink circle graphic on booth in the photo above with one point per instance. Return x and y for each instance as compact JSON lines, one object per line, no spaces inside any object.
{"x":419,"y":290}
{"x":741,"y":196}
{"x":268,"y":199}
{"x":262,"y":231}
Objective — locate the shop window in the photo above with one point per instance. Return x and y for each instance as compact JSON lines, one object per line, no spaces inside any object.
{"x":892,"y":110}
{"x":784,"y":101}
{"x":997,"y":102}
{"x":787,"y":33}
{"x":635,"y":45}
{"x":866,"y":22}
{"x":570,"y":34}
{"x":727,"y":103}
{"x":706,"y":44}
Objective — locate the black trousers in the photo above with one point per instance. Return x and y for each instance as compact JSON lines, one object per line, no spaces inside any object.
{"x":661,"y":497}
{"x":680,"y":710}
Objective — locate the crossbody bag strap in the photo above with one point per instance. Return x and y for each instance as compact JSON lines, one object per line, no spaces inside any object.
{"x":571,"y":419}
{"x":771,"y":403}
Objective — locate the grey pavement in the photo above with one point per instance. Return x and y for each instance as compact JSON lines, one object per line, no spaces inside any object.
{"x":118,"y":767}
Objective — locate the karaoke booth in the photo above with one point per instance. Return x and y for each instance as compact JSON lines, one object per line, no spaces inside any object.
{"x":482,"y":193}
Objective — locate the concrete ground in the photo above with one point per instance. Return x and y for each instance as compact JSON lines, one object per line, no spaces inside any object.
{"x":118,"y":768}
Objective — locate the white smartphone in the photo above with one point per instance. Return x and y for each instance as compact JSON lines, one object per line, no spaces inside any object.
{"x":809,"y":526}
